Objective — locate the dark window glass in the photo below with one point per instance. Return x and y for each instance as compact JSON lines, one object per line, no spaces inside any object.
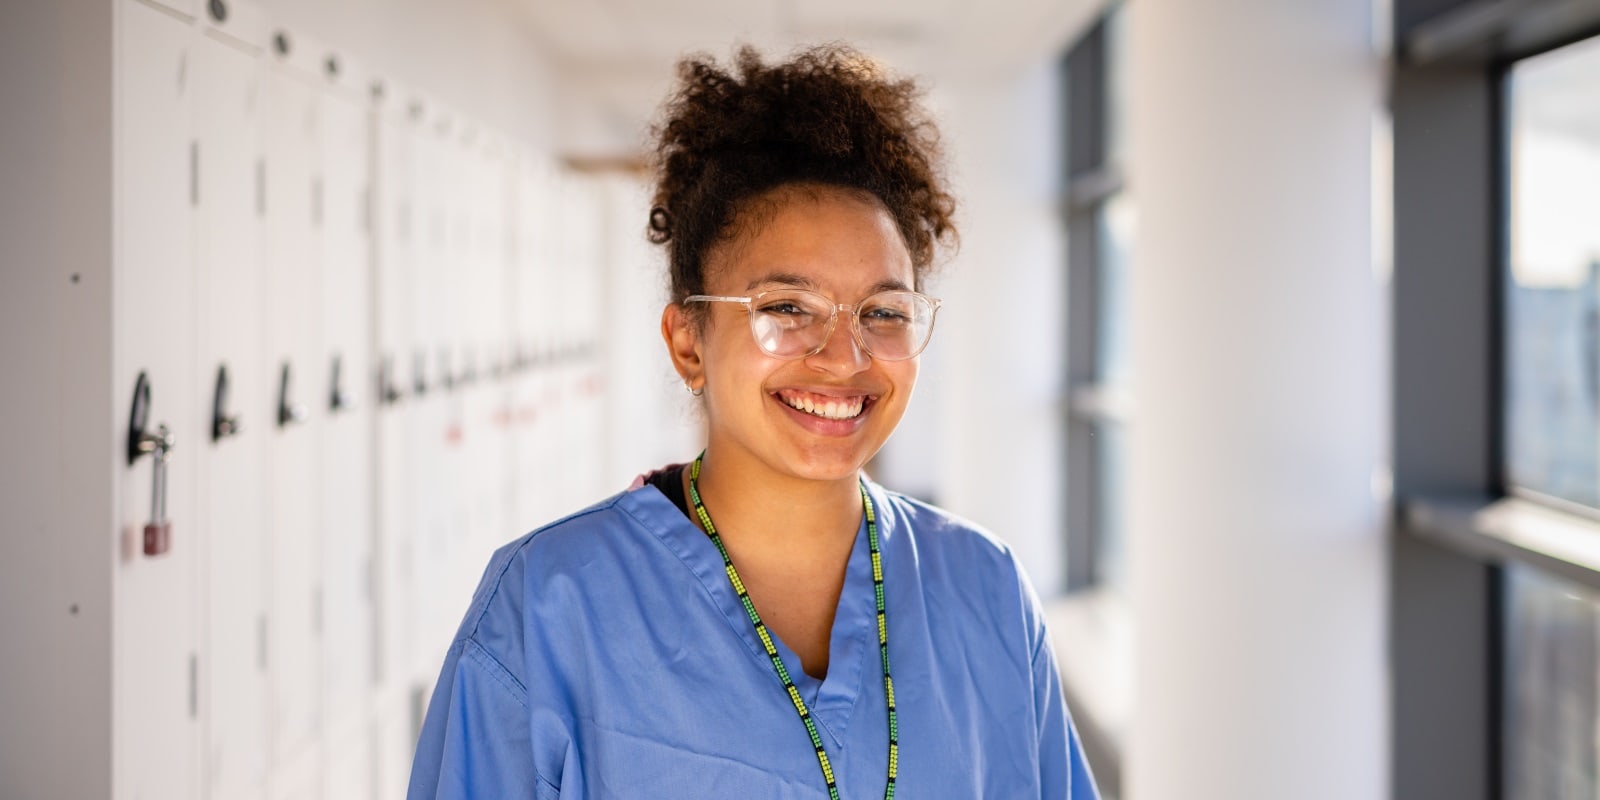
{"x":1551,"y":684}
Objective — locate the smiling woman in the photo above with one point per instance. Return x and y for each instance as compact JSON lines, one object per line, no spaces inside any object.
{"x":823,"y":637}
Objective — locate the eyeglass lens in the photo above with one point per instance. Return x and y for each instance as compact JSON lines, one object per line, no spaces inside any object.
{"x":795,"y":323}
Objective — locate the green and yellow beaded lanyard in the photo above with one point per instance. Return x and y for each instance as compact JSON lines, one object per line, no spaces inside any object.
{"x":772,"y":651}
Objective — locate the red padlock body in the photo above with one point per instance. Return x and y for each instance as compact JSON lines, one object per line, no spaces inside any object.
{"x":157,"y":538}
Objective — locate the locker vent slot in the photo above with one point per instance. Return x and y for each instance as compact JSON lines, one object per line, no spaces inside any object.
{"x":261,"y":642}
{"x":316,"y":202}
{"x":194,"y":173}
{"x":194,"y":685}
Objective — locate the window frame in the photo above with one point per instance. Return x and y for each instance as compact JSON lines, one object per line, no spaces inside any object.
{"x":1090,"y":180}
{"x":1457,"y":523}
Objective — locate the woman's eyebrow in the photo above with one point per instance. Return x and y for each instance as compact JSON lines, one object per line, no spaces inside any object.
{"x":787,"y":278}
{"x":801,"y":281}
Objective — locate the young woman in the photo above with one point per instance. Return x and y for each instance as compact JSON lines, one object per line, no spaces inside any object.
{"x":766,"y":622}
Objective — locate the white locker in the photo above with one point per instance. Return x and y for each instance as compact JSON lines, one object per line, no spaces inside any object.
{"x":532,"y":323}
{"x":483,"y":446}
{"x":392,"y":266}
{"x":236,"y":410}
{"x":452,"y":277}
{"x":430,"y":408}
{"x":290,"y":134}
{"x":350,"y":765}
{"x":393,"y":745}
{"x":346,"y":492}
{"x":394,"y":131}
{"x":260,"y":220}
{"x":156,"y":647}
{"x":498,"y":302}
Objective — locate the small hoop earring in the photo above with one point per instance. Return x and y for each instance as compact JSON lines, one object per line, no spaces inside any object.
{"x":693,"y":391}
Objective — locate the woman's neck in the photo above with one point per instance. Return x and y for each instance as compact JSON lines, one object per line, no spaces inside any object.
{"x":759,"y":509}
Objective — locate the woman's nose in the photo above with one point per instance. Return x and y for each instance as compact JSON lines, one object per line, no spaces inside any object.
{"x":841,"y":354}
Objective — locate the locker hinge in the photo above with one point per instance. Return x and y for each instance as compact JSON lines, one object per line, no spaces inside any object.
{"x":194,"y":172}
{"x":194,"y":685}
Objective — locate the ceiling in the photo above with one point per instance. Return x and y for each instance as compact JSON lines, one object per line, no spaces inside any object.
{"x":616,"y":56}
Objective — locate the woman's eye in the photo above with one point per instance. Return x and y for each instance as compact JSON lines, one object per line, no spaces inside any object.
{"x":783,"y":309}
{"x":885,"y":314}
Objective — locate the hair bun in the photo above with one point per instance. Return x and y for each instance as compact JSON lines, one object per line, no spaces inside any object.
{"x":829,"y":115}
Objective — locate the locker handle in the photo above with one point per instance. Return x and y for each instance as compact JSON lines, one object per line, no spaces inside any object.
{"x":289,"y":413}
{"x":223,"y":424}
{"x":138,"y":418}
{"x":338,"y":398}
{"x":387,"y":393}
{"x":419,"y":378}
{"x":141,"y":441}
{"x":445,"y":377}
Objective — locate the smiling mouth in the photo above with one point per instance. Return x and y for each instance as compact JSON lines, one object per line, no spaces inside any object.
{"x":824,"y":406}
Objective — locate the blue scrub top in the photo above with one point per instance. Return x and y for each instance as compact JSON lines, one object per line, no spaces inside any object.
{"x":607,"y":656}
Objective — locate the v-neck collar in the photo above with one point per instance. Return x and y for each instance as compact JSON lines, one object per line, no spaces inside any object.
{"x":851,"y":643}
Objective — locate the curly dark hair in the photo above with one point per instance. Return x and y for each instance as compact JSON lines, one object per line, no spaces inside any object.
{"x":826,"y":117}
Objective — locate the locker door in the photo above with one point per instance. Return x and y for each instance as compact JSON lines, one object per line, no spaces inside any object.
{"x":528,"y":318}
{"x":289,"y":140}
{"x":457,"y":472}
{"x":155,"y":733}
{"x":392,"y":182}
{"x":346,"y":452}
{"x":481,"y":451}
{"x":350,"y":764}
{"x":589,"y":383}
{"x":430,"y":558}
{"x":233,"y":457}
{"x":498,"y":256}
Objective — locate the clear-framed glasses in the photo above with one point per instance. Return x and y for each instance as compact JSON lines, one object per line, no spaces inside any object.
{"x":795,"y":323}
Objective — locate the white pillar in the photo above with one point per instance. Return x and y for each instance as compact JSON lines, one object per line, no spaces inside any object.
{"x":1257,"y":557}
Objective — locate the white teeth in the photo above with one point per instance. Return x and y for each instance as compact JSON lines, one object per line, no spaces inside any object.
{"x":827,"y":409}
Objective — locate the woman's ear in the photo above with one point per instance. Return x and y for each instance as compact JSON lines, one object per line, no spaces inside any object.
{"x":682,"y":336}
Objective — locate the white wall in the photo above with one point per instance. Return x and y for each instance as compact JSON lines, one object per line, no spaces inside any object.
{"x":478,"y":56}
{"x":1256,"y":553}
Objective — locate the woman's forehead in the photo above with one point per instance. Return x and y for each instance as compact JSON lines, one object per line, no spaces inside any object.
{"x":813,"y":237}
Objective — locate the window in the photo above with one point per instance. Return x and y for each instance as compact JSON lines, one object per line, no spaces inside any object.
{"x":1100,"y":220}
{"x":1552,"y":322}
{"x":1552,"y":413}
{"x":1495,"y":571}
{"x":1553,"y":629}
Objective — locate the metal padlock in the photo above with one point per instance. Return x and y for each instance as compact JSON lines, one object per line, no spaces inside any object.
{"x":158,"y":532}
